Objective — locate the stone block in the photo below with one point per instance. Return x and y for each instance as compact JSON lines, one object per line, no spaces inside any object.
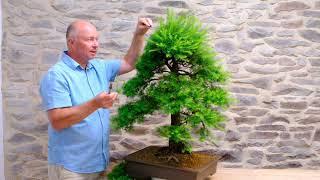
{"x":275,"y":157}
{"x":285,"y":61}
{"x":293,"y":143}
{"x":260,"y":6}
{"x":270,"y":128}
{"x":256,"y":112}
{"x":207,"y":2}
{"x":225,"y":46}
{"x":176,"y":4}
{"x":132,"y":144}
{"x":256,"y":154}
{"x":310,"y":35}
{"x":314,"y":61}
{"x":246,"y":100}
{"x":235,"y":60}
{"x":243,"y":90}
{"x":301,"y":128}
{"x":263,"y":135}
{"x":292,"y":24}
{"x":262,"y":60}
{"x":285,"y":136}
{"x":122,"y":25}
{"x":312,"y":119}
{"x":232,"y":136}
{"x":305,"y":81}
{"x":255,"y":143}
{"x":50,"y":57}
{"x":132,"y":7}
{"x":287,"y":89}
{"x":261,"y":82}
{"x":62,"y":5}
{"x":280,"y":43}
{"x":305,"y":135}
{"x":264,"y":70}
{"x":33,"y":148}
{"x":247,"y":46}
{"x":20,"y":138}
{"x":155,"y":10}
{"x":316,"y":136}
{"x":17,"y":56}
{"x":118,"y":155}
{"x":257,"y":32}
{"x":317,"y":4}
{"x":227,"y":28}
{"x":220,"y":13}
{"x":139,"y":130}
{"x":281,"y":150}
{"x":310,"y":13}
{"x":31,"y":127}
{"x":285,"y":33}
{"x":245,"y":120}
{"x":294,"y":105}
{"x":244,"y":129}
{"x":291,"y":6}
{"x":313,"y":23}
{"x":301,"y":154}
{"x":286,"y":165}
{"x":267,"y":24}
{"x":44,"y":23}
{"x":312,"y":52}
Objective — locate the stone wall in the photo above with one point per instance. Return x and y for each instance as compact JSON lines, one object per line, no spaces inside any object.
{"x":271,"y":48}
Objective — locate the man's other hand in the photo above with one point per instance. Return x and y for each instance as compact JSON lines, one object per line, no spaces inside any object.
{"x":105,"y":100}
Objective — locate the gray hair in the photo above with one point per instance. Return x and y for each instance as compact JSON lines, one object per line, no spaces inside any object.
{"x":71,"y":31}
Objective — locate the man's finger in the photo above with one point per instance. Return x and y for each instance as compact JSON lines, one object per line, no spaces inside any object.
{"x":145,"y":22}
{"x":149,"y":21}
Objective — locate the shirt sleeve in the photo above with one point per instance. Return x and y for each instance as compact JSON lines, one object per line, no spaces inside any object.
{"x":54,"y":91}
{"x":112,"y":68}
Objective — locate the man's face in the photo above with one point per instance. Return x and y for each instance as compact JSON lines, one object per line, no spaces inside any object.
{"x":85,"y":43}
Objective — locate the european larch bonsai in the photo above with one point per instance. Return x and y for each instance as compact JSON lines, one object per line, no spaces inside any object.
{"x":177,"y":74}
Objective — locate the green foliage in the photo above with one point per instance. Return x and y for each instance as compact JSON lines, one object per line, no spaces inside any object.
{"x":119,"y":173}
{"x":133,"y":112}
{"x":178,"y":134}
{"x":178,"y":74}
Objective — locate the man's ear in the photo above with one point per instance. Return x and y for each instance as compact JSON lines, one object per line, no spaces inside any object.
{"x":70,"y":41}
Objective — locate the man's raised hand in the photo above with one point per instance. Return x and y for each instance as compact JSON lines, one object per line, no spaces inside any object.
{"x":144,"y":24}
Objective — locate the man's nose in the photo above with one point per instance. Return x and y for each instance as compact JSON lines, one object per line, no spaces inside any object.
{"x":95,"y":44}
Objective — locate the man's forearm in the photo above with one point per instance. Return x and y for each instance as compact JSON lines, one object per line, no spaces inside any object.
{"x":144,"y":24}
{"x":135,"y":49}
{"x":65,"y":117}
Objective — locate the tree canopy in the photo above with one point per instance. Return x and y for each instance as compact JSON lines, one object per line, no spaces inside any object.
{"x":178,"y":74}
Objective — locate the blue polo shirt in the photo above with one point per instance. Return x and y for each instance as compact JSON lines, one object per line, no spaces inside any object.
{"x":83,"y":147}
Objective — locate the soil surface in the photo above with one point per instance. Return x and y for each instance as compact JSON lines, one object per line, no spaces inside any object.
{"x":162,"y":156}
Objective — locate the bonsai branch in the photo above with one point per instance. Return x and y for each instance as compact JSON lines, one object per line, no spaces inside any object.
{"x":168,"y":65}
{"x":147,"y":83}
{"x":184,"y":73}
{"x":153,"y":79}
{"x":203,"y":125}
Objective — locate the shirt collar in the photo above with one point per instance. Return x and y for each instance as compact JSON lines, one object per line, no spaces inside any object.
{"x":72,"y":63}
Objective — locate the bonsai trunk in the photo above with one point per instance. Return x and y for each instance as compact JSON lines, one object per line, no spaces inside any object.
{"x":174,"y":146}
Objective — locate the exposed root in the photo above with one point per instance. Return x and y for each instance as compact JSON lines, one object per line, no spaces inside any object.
{"x":169,"y":158}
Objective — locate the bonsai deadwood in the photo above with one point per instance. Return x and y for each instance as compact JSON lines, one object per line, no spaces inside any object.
{"x":179,"y":75}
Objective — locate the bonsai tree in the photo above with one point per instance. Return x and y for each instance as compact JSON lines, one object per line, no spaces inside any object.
{"x":179,"y":75}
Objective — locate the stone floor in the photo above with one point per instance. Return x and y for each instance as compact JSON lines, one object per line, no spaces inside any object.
{"x":266,"y":174}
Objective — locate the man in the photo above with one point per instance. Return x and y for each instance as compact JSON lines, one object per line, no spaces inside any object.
{"x":75,"y":94}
